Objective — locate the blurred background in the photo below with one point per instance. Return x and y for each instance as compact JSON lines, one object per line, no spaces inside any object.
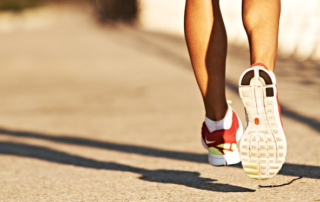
{"x":299,"y":27}
{"x":98,"y":101}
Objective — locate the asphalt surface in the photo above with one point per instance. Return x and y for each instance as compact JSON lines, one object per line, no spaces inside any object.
{"x":113,"y":113}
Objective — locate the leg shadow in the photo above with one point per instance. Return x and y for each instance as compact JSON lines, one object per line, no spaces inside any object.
{"x":287,"y":169}
{"x":185,"y":156}
{"x":186,"y":178}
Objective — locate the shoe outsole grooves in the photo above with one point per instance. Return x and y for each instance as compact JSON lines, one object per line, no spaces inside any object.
{"x":263,"y":144}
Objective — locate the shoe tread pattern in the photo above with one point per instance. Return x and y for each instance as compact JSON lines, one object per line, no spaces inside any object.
{"x":263,"y":145}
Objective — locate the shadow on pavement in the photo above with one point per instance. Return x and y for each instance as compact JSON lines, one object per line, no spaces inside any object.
{"x":186,"y":178}
{"x":287,"y":169}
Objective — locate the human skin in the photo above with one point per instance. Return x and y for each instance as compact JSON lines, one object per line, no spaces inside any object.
{"x":206,"y":39}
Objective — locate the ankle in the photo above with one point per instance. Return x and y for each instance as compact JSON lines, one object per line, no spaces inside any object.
{"x":224,"y":123}
{"x":268,"y":64}
{"x":218,"y":113}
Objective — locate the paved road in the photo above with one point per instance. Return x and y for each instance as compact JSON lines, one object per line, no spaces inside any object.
{"x":114,"y":114}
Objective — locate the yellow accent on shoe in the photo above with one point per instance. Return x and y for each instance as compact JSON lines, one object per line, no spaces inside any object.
{"x":227,"y":146}
{"x":224,"y":146}
{"x":252,"y":172}
{"x":215,"y":151}
{"x":252,"y":166}
{"x":234,"y":146}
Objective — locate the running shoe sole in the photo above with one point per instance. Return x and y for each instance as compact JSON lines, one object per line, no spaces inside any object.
{"x":263,"y":145}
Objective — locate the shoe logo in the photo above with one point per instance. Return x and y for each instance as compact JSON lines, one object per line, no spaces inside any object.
{"x":209,"y":142}
{"x":223,"y":141}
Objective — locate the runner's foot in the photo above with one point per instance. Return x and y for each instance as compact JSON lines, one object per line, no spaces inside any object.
{"x":220,"y":139}
{"x":263,"y":145}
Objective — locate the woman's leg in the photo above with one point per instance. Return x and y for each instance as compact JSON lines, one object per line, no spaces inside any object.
{"x":261,"y":22}
{"x":207,"y":44}
{"x":263,"y":148}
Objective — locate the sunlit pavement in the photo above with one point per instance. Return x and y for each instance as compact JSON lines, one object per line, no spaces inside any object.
{"x":91,"y":113}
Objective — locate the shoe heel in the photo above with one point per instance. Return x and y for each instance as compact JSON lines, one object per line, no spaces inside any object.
{"x":263,"y":145}
{"x":228,"y":159}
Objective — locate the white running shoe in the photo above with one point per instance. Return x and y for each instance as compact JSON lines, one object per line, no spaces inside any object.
{"x":222,"y":143}
{"x":263,"y":145}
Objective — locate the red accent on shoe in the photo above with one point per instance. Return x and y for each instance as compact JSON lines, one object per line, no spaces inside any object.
{"x":259,"y":64}
{"x":256,"y":121}
{"x":279,"y":108}
{"x":221,"y":136}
